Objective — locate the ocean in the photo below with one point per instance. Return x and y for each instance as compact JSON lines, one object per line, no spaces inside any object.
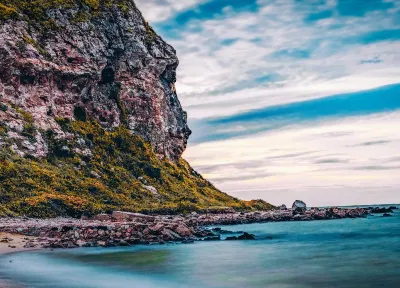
{"x":363,"y":252}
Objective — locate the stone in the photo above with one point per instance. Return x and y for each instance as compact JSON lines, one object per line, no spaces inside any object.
{"x":299,"y":207}
{"x":183,"y":230}
{"x":246,"y":236}
{"x":89,"y":70}
{"x":120,"y":215}
{"x":387,"y":215}
{"x":102,"y":217}
{"x":283,"y":207}
{"x":230,"y":238}
{"x":151,"y":189}
{"x":381,"y":210}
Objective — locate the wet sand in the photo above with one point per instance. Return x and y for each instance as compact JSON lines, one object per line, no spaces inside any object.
{"x":12,"y":243}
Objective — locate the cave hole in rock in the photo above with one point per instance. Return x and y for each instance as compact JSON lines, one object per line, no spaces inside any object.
{"x":25,"y":79}
{"x":107,"y":75}
{"x":80,"y":113}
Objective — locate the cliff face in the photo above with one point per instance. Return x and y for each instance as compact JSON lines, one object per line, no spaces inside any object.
{"x":89,"y":118}
{"x":86,"y":59}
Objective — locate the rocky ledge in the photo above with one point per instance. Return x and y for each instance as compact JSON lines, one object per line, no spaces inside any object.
{"x":125,"y":229}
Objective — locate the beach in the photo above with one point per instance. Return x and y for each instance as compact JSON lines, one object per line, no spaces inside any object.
{"x":348,"y":252}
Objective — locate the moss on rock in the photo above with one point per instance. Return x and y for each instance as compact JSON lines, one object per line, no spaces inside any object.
{"x":113,"y":177}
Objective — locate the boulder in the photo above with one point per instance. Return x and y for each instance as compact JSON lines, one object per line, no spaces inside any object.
{"x":183,"y":230}
{"x":381,"y":210}
{"x":387,"y":215}
{"x":299,"y":207}
{"x":231,"y":238}
{"x":283,"y":207}
{"x":151,"y":189}
{"x":247,"y":236}
{"x":125,"y":216}
{"x":244,"y":236}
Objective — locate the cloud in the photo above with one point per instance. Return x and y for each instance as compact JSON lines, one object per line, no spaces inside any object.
{"x":161,"y":10}
{"x":275,"y":117}
{"x":331,"y":160}
{"x":377,"y":167}
{"x":373,"y":60}
{"x":304,"y":160}
{"x":257,"y":79}
{"x":377,"y":142}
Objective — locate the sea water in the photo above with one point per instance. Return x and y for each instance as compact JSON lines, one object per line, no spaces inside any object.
{"x":363,"y":252}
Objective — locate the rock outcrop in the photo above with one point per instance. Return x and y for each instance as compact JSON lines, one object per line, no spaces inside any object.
{"x":90,"y":121}
{"x":299,"y":207}
{"x":86,"y":60}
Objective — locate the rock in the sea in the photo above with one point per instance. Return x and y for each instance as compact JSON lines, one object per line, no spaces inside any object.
{"x":244,"y":236}
{"x":299,"y":207}
{"x":387,"y":215}
{"x":247,"y":236}
{"x":381,"y":210}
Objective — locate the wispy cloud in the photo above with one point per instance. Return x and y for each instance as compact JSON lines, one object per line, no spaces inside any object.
{"x":276,"y":117}
{"x":277,"y":94}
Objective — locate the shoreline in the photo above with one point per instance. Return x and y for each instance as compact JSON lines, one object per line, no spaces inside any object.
{"x":126,"y":229}
{"x":15,"y":243}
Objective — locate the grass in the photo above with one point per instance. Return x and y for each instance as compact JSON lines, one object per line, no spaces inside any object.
{"x":70,"y":184}
{"x":35,"y":10}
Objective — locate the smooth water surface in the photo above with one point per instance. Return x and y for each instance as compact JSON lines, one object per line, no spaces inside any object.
{"x":338,"y":253}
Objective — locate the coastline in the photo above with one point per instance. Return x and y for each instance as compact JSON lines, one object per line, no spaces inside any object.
{"x":11,"y":243}
{"x":126,"y":229}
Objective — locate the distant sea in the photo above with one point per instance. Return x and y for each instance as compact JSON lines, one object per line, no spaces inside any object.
{"x":362,"y":252}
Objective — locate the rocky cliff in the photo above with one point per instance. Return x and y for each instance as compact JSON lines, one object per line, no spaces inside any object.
{"x":89,"y":117}
{"x":88,"y":59}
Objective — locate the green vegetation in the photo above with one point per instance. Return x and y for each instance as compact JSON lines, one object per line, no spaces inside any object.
{"x":112,"y":178}
{"x":38,"y":47}
{"x":7,"y":12}
{"x":35,"y":10}
{"x":150,"y":34}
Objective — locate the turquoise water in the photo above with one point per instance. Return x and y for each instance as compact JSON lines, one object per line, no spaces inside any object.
{"x":338,"y":253}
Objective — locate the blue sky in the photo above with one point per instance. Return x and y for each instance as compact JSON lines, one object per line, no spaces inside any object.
{"x":290,"y":99}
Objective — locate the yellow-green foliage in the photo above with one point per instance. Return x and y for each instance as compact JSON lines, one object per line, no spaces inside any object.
{"x":70,"y":184}
{"x":7,"y":12}
{"x":36,"y":45}
{"x":150,"y":34}
{"x":35,"y":10}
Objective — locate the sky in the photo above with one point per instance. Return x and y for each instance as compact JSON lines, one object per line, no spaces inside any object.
{"x":289,"y":99}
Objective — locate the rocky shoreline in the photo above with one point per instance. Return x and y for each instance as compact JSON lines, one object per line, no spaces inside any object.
{"x":125,"y":229}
